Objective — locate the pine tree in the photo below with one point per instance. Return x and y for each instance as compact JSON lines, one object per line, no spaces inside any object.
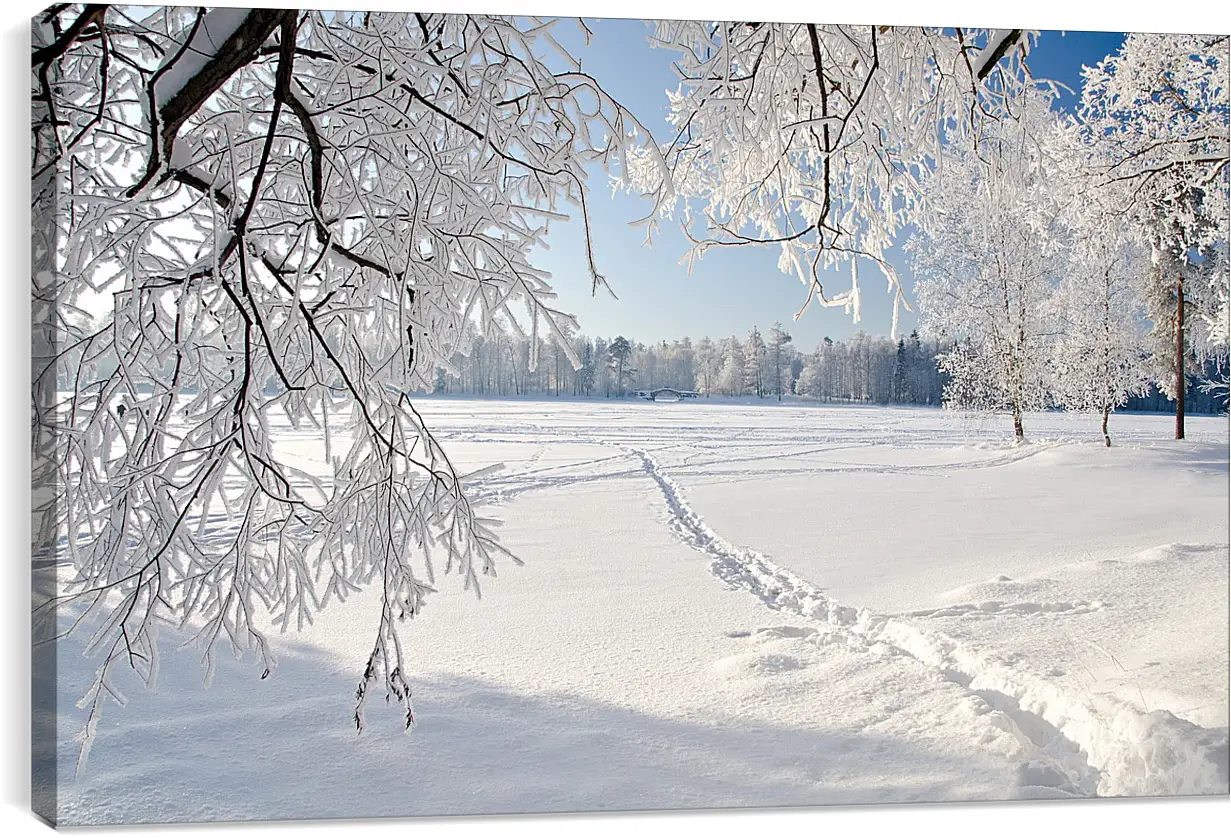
{"x":779,"y":341}
{"x":619,"y":353}
{"x":731,"y":376}
{"x":755,"y":355}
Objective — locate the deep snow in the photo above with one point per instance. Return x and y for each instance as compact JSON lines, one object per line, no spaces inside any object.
{"x":728,"y":605}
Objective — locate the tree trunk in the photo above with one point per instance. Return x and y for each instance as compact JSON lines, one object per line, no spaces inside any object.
{"x":1106,"y":437}
{"x":1018,"y":432}
{"x":1181,"y":383}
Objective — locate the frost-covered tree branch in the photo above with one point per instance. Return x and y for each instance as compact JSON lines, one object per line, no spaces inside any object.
{"x":1155,"y":115}
{"x":265,"y":217}
{"x":812,"y":138}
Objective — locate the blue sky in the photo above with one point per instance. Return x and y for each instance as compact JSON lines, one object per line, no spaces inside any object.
{"x":732,"y":289}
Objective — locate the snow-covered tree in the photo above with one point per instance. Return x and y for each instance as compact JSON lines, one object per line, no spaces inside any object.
{"x":988,"y":251}
{"x":1100,"y":358}
{"x":682,"y":362}
{"x":866,"y":370}
{"x":756,"y":356}
{"x":810,"y":383}
{"x":808,"y":138}
{"x":1183,"y":294}
{"x":779,"y":356}
{"x":709,"y":363}
{"x":731,"y":376}
{"x":1215,"y":313}
{"x":585,"y":373}
{"x":602,"y":370}
{"x":1156,"y":115}
{"x":619,"y":353}
{"x":266,"y":216}
{"x":646,"y":362}
{"x":1155,"y":120}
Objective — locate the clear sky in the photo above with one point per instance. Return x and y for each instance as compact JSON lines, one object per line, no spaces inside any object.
{"x":732,"y":289}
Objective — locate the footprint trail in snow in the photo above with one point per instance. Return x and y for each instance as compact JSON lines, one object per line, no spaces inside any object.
{"x":1071,"y":746}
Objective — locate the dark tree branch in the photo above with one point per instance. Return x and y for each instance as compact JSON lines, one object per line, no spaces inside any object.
{"x":825,"y":148}
{"x":1001,"y":49}
{"x":239,"y":49}
{"x":92,"y":13}
{"x":282,"y":84}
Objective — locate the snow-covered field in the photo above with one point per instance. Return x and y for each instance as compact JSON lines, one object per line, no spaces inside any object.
{"x":739,"y":605}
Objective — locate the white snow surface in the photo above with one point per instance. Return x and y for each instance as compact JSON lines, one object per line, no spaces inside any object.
{"x":726,"y":604}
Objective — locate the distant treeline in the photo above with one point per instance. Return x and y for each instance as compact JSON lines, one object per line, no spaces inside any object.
{"x":865,"y":369}
{"x":1200,"y":398}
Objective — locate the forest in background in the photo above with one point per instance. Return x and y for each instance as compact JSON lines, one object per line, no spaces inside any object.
{"x":866,"y":369}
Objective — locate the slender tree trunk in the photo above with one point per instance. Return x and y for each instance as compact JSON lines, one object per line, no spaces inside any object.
{"x":1018,"y":432}
{"x":1181,"y":382}
{"x":778,"y":372}
{"x":1106,"y":437}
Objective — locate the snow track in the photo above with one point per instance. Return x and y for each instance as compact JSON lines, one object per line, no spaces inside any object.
{"x":504,"y":487}
{"x":1076,"y":747}
{"x":1014,"y":455}
{"x":990,"y":608}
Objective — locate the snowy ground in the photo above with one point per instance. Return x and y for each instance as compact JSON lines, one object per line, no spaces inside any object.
{"x":730,"y":605}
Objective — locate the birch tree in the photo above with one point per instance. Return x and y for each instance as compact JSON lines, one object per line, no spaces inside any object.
{"x":1100,"y":358}
{"x":731,"y":376}
{"x":709,"y":363}
{"x":810,"y":382}
{"x":988,"y":252}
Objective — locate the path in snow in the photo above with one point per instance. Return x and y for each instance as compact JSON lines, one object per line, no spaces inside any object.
{"x":1106,"y":744}
{"x":1102,"y":745}
{"x":608,"y":673}
{"x":1110,"y":749}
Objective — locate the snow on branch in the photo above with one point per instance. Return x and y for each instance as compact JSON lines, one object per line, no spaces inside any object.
{"x":1156,"y":133}
{"x":813,"y":137}
{"x":268,"y":218}
{"x":999,"y":42}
